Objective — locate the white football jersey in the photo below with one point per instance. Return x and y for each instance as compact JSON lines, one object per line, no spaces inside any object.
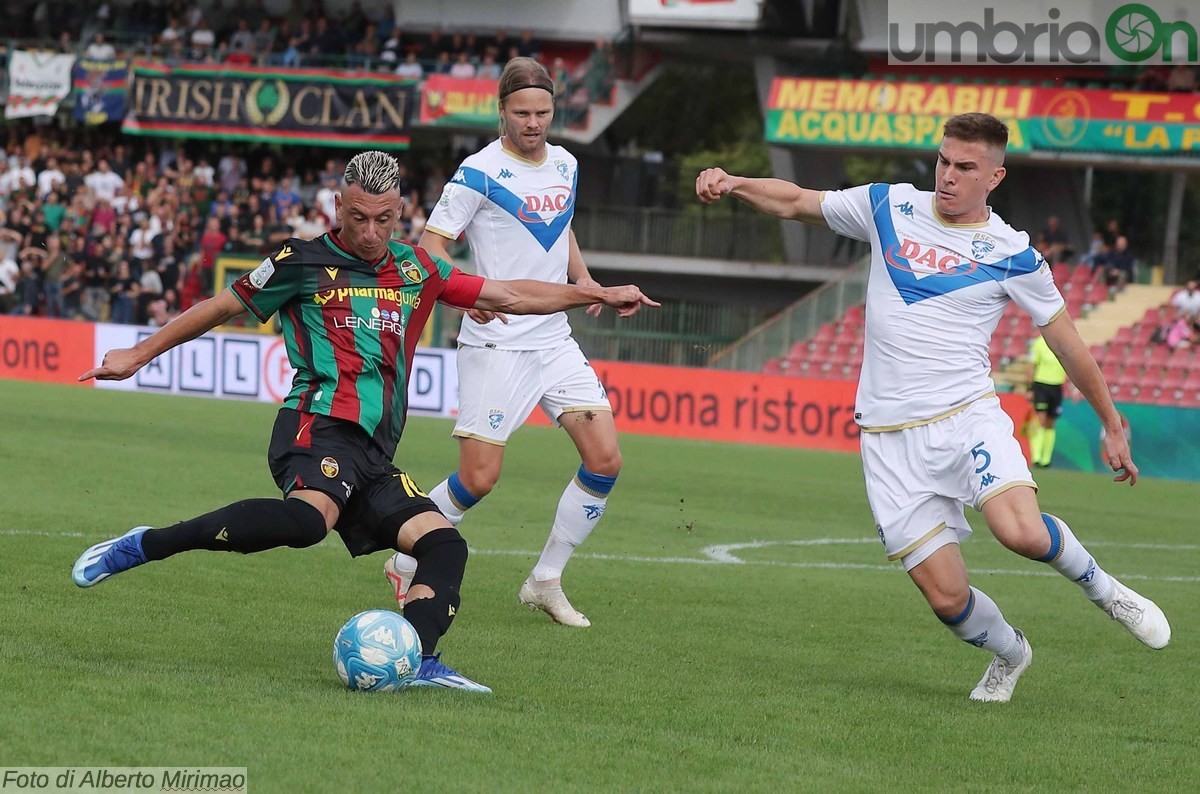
{"x":935,"y":294}
{"x":517,"y":216}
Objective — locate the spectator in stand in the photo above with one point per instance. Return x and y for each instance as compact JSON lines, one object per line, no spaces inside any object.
{"x":99,"y":49}
{"x":462,"y":67}
{"x":104,"y":182}
{"x":72,"y":290}
{"x":203,"y":40}
{"x":1112,"y":230}
{"x":53,"y":213}
{"x":150,"y":288}
{"x":562,"y":78}
{"x":123,"y":291}
{"x":1055,"y":246}
{"x":49,"y":177}
{"x":1121,"y":268}
{"x":488,"y":68}
{"x":527,"y":47}
{"x":28,"y":290}
{"x":141,"y":247}
{"x":327,"y":40}
{"x":264,"y":40}
{"x":299,"y":45}
{"x":171,"y":34}
{"x":212,"y":242}
{"x":1182,"y":78}
{"x":242,"y":39}
{"x":19,"y":177}
{"x":56,"y":266}
{"x":442,"y":65}
{"x":411,"y":69}
{"x":1178,"y":332}
{"x":1151,"y":79}
{"x":1187,"y":303}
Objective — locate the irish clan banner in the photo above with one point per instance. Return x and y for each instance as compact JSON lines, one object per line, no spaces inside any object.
{"x":874,"y":113}
{"x":100,"y":89}
{"x":332,"y":108}
{"x":459,"y":102}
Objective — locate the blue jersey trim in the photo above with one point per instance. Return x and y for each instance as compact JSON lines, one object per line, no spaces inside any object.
{"x":546,"y":234}
{"x":913,"y":289}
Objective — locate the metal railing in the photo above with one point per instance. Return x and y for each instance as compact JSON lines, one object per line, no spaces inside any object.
{"x":799,"y":321}
{"x":747,"y":236}
{"x":678,"y":334}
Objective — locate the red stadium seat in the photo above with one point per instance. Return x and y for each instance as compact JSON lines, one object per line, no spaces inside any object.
{"x":1099,"y":352}
{"x":1124,"y":336}
{"x":1142,"y":332}
{"x":1061,"y":272}
{"x":1190,"y":399}
{"x":1181,"y":359}
{"x":1082,"y":274}
{"x":1096,"y":294}
{"x":774,"y":366}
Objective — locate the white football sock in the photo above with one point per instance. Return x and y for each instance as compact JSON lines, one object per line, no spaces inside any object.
{"x":579,"y":510}
{"x":453,"y":499}
{"x":981,"y":624}
{"x":1068,"y":556}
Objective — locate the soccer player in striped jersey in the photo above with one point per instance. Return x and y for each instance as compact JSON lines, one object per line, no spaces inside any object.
{"x":352,"y":304}
{"x":934,"y":438}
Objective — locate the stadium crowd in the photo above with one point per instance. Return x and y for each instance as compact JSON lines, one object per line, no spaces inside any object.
{"x":130,"y":231}
{"x":365,"y":38}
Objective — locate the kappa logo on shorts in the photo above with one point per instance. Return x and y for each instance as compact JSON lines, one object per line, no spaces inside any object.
{"x":495,"y":418}
{"x":329,"y":467}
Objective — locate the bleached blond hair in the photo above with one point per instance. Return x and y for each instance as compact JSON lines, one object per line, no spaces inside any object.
{"x":374,"y":171}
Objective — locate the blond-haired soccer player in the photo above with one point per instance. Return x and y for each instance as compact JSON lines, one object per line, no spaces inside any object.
{"x":934,"y":438}
{"x":514,"y":201}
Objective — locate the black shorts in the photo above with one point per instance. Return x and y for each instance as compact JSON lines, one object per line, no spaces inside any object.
{"x":1047,"y":399}
{"x":338,"y":458}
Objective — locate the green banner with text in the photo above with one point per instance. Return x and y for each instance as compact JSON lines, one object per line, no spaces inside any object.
{"x":885,"y":114}
{"x":313,"y":106}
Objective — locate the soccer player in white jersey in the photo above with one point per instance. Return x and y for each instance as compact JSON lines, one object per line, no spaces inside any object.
{"x":934,"y":438}
{"x":514,"y":200}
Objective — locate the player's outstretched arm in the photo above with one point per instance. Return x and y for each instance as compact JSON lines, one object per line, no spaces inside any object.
{"x":1063,"y":338}
{"x":436,"y":244}
{"x":524,"y":296}
{"x":119,"y":364}
{"x":772,"y":196}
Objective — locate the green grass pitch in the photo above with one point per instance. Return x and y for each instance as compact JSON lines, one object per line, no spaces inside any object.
{"x":801,"y":660}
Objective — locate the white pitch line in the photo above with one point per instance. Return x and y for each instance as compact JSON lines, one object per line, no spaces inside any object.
{"x":720,"y":555}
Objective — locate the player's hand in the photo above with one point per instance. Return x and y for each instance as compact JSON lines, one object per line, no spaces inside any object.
{"x":483,"y":316}
{"x":118,"y":364}
{"x":627,"y":300}
{"x":1115,"y":448}
{"x":595,"y":309}
{"x":712,"y":184}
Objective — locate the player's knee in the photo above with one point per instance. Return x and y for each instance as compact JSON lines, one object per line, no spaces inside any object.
{"x":607,"y":463}
{"x":479,"y":480}
{"x":441,"y":556}
{"x":948,"y":605}
{"x":309,"y":523}
{"x":1029,"y":539}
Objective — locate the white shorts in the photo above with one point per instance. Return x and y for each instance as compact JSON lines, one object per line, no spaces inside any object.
{"x":918,"y":479}
{"x":498,"y":389}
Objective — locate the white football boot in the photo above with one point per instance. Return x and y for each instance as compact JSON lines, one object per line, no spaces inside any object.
{"x":549,"y":597}
{"x":1000,"y":680}
{"x":1139,"y":615}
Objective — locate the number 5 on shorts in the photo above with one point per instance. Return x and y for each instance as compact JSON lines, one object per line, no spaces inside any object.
{"x":979,"y":452}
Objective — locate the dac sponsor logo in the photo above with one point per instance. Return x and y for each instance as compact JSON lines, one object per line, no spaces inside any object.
{"x":928,"y":260}
{"x":545,"y":205}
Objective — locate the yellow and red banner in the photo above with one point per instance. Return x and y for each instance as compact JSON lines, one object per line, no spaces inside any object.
{"x":877,"y":113}
{"x":459,"y":102}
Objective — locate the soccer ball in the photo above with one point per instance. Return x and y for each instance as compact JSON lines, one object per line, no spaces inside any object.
{"x":377,"y":651}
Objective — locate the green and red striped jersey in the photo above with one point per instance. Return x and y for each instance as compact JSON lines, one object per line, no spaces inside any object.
{"x":350,"y":327}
